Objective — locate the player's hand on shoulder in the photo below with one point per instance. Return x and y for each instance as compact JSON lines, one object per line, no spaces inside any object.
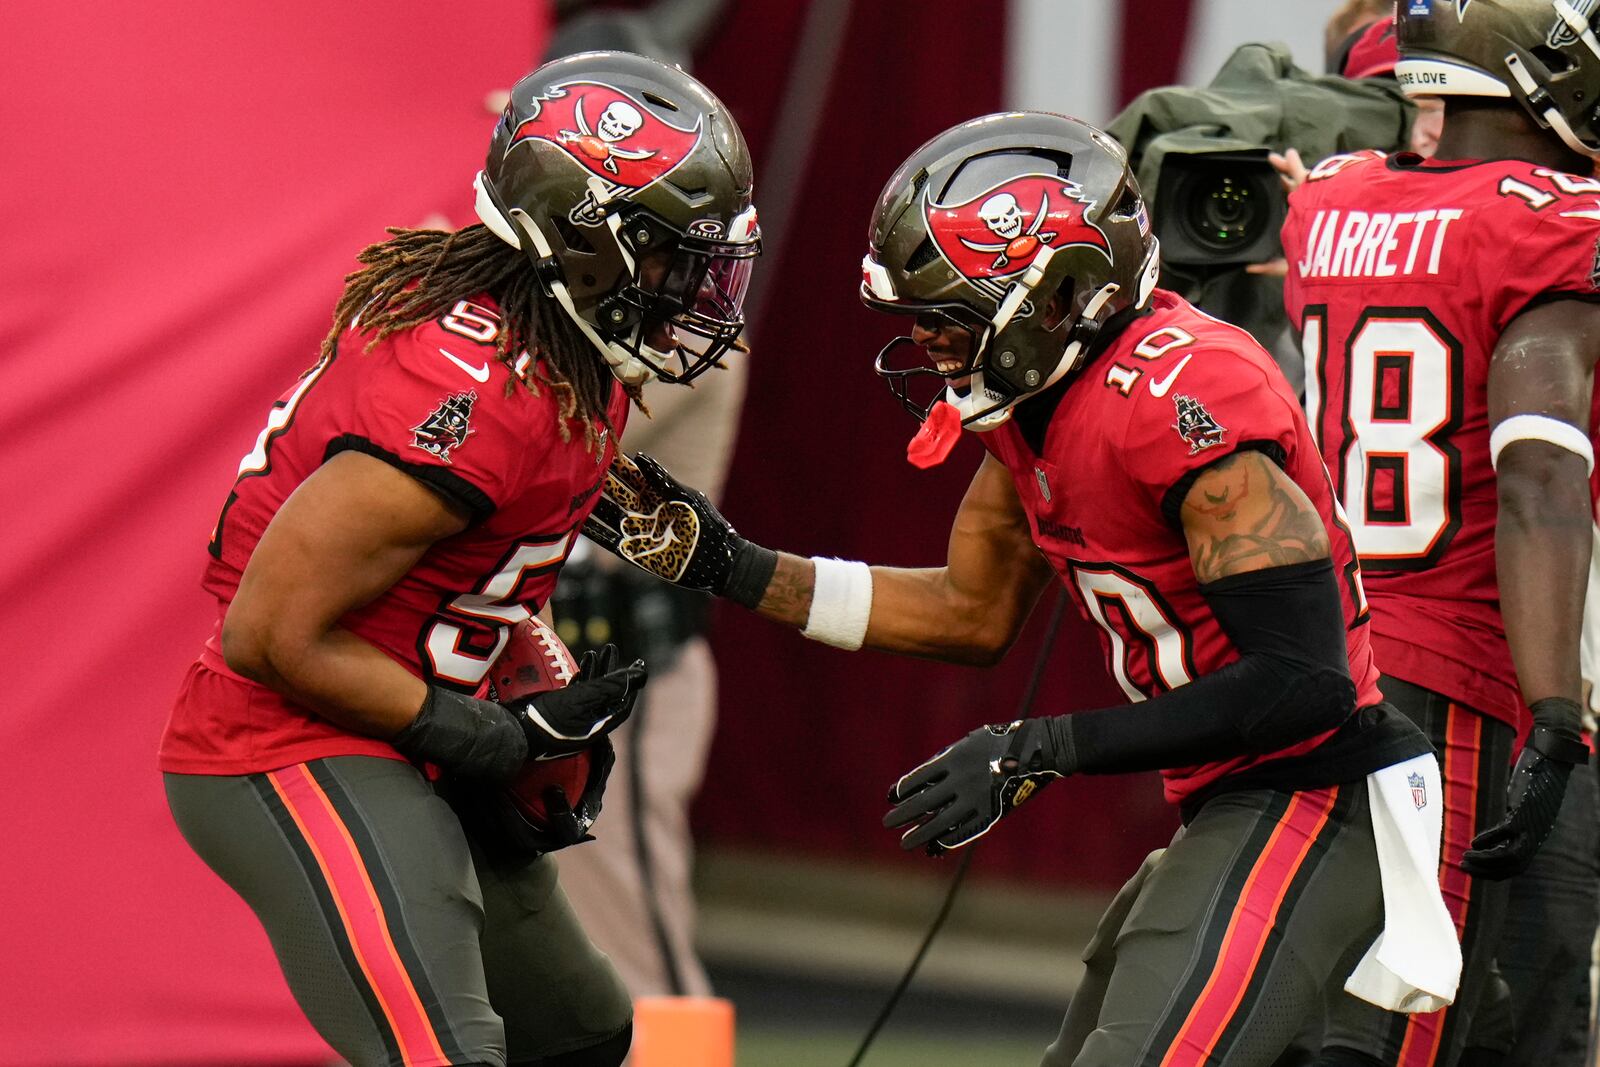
{"x":959,"y":794}
{"x":650,"y":519}
{"x":597,"y":701}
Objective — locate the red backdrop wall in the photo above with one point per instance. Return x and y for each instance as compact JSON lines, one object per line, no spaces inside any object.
{"x":184,"y":184}
{"x":811,"y":738}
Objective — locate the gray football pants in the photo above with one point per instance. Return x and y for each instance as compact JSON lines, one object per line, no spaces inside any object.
{"x":400,"y":942}
{"x":1550,"y":925}
{"x":1228,"y":947}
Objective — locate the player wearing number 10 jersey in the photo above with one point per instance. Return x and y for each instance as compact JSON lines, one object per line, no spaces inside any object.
{"x":1154,"y":462}
{"x":1445,"y":308}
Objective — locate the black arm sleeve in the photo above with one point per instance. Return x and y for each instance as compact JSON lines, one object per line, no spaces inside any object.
{"x":1290,"y":682}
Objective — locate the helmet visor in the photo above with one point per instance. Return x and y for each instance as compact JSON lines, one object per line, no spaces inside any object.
{"x":720,"y":295}
{"x":697,"y":288}
{"x":704,"y":288}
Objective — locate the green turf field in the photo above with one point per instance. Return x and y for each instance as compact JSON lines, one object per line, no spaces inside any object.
{"x":833,"y":1048}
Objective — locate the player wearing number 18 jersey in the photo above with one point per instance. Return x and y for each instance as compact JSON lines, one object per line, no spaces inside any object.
{"x":1403,"y":274}
{"x":1444,"y":307}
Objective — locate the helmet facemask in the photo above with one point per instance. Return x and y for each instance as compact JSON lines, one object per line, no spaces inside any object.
{"x":1006,"y":360}
{"x":918,"y":383}
{"x":994,"y":378}
{"x":664,"y":280}
{"x":694,"y":283}
{"x":1540,"y":80}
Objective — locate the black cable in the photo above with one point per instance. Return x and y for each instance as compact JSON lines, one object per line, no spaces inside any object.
{"x":1051,"y":629}
{"x":1023,"y":708}
{"x":916,"y":961}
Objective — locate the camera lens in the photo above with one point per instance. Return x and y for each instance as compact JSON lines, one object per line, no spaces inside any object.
{"x":1215,"y":210}
{"x":1224,"y":212}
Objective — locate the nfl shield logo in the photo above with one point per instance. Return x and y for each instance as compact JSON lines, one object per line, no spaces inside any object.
{"x":1419,"y":790}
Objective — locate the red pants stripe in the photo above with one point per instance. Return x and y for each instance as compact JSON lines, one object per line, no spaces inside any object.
{"x":1459,"y":769}
{"x":1252,"y":922}
{"x":360,"y":912}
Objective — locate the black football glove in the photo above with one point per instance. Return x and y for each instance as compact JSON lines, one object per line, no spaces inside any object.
{"x":598,"y":700}
{"x":958,"y":795}
{"x":567,"y":823}
{"x":1533,"y":797}
{"x":487,"y":741}
{"x":496,"y":819}
{"x":658,"y":524}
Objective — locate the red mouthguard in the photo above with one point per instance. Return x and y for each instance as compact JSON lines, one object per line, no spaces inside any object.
{"x":934,"y":442}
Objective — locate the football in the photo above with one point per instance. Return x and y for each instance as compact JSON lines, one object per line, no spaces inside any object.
{"x":535,"y":660}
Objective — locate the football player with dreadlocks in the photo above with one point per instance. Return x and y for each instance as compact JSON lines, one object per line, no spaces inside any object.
{"x":1447,"y":310}
{"x":1154,"y":461}
{"x":411,"y":499}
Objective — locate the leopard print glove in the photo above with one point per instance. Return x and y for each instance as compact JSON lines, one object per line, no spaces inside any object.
{"x":648,"y":518}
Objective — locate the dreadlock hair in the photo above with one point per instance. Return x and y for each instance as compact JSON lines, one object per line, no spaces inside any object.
{"x":448,"y":267}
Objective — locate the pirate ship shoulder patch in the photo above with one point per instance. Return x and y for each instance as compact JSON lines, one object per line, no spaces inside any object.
{"x":1195,"y":424}
{"x":447,"y":427}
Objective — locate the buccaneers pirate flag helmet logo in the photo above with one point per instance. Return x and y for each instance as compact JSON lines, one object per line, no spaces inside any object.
{"x":609,"y":133}
{"x":602,"y":156}
{"x":1000,"y":231}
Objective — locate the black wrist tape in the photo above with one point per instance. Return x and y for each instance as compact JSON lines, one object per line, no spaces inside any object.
{"x":1557,"y":730}
{"x":463,"y":735}
{"x":750,"y":574}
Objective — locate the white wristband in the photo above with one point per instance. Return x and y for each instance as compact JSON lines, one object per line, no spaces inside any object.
{"x":1540,"y":428}
{"x":841,"y":603}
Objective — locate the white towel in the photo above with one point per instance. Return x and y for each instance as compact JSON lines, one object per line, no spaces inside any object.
{"x":1415,"y":964}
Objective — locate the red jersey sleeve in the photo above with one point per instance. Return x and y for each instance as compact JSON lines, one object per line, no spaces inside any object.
{"x":1558,"y":257}
{"x":1216,"y":401}
{"x":437,"y":408}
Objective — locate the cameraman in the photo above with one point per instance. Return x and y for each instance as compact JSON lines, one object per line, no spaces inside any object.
{"x":1202,"y":159}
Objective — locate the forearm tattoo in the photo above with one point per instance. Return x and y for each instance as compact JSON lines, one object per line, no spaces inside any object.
{"x":1248,"y":516}
{"x":788,"y":596}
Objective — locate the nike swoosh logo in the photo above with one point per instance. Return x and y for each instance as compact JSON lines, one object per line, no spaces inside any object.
{"x":479,"y":374}
{"x":1158,"y":388}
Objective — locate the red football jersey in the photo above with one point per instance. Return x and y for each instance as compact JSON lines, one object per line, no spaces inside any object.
{"x":1176,"y":391}
{"x":1402,"y":276}
{"x":434,"y":402}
